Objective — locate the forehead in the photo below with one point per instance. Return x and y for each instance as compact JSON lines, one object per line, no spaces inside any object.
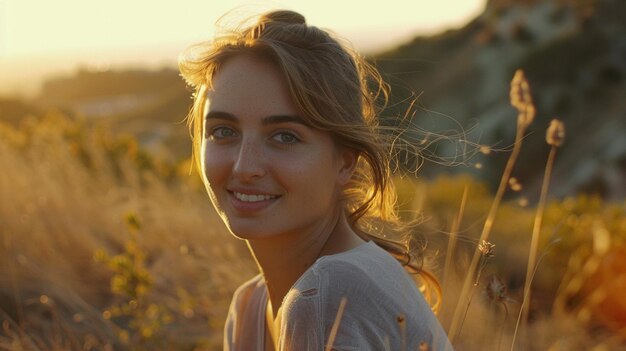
{"x":247,"y":85}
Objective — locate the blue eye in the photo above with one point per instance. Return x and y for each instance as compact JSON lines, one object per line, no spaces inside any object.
{"x":285,"y":138}
{"x":222,"y":133}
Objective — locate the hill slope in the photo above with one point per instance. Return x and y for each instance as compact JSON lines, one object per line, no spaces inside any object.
{"x":575,"y":58}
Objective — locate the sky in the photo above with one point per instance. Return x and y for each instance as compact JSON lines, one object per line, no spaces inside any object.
{"x":41,"y":37}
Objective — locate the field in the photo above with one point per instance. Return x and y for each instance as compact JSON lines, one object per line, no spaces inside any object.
{"x":104,"y":246}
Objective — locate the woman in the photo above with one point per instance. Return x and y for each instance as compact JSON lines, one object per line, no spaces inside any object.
{"x":286,"y":139}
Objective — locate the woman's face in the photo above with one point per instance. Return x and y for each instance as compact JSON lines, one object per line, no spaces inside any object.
{"x":267,"y":172}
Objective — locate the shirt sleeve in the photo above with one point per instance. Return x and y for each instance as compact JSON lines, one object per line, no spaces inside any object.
{"x":230,"y":327}
{"x":237,"y":318}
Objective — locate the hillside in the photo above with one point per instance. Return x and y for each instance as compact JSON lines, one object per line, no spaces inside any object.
{"x":575,"y":58}
{"x":150,"y":105}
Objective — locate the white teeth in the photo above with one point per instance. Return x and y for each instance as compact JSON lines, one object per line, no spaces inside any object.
{"x":253,"y":198}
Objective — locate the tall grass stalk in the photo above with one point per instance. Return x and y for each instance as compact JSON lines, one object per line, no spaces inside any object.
{"x":469,"y":278}
{"x":335,"y":328}
{"x":554,"y":137}
{"x":522,"y":101}
{"x":454,"y":230}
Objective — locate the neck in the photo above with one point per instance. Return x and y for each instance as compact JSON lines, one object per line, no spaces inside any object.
{"x":284,"y":258}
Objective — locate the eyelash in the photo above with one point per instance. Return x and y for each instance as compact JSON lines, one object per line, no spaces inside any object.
{"x":294,"y":138}
{"x":214,"y":131}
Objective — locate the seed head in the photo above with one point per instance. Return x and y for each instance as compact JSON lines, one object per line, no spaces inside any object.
{"x":521,"y":99}
{"x":526,"y":116}
{"x":555,"y":135}
{"x":486,"y":249}
{"x":520,"y":91}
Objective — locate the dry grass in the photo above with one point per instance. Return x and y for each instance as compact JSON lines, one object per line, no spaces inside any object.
{"x":56,"y":212}
{"x":164,"y":276}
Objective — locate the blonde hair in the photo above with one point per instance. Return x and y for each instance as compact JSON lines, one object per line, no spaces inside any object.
{"x":336,"y":91}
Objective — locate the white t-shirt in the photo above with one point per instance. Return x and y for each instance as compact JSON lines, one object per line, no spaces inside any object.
{"x":378,"y":291}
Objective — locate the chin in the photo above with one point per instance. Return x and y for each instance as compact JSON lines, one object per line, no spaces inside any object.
{"x":246,"y":232}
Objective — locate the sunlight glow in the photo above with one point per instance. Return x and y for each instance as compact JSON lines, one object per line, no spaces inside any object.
{"x":38,"y":38}
{"x":34,"y":27}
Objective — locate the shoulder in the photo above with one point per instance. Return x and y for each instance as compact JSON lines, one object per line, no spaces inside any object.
{"x":348,"y":272}
{"x":242,"y":295}
{"x":241,"y":313}
{"x":365,"y":267}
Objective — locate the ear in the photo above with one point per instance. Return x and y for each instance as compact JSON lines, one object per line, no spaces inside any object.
{"x":347,"y":160}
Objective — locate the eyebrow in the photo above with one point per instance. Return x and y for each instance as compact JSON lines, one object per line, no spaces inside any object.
{"x":275,"y":119}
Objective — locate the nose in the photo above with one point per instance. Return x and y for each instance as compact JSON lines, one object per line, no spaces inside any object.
{"x":249,"y":164}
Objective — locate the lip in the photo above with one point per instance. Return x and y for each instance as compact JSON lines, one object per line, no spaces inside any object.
{"x":250,"y":207}
{"x":248,"y":191}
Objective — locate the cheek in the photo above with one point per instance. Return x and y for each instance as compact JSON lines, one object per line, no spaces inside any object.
{"x":312,"y":174}
{"x":214,"y":165}
{"x":214,"y":176}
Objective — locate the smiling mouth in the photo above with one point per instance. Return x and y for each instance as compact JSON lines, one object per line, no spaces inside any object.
{"x":253,"y":198}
